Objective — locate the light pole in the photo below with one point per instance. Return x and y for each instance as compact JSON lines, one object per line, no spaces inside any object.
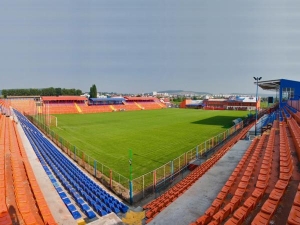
{"x":130,"y":177}
{"x":257,"y":79}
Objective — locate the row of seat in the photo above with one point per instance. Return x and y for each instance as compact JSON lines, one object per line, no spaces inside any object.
{"x":25,"y":192}
{"x":27,"y":106}
{"x":153,"y":208}
{"x":4,"y":215}
{"x":38,"y":195}
{"x":73,"y":210}
{"x":71,"y":108}
{"x":60,"y":108}
{"x":70,"y":176}
{"x":295,"y":113}
{"x":295,"y":131}
{"x":233,"y":207}
{"x":21,"y":188}
{"x":294,"y":216}
{"x":217,"y":214}
{"x":269,"y":207}
{"x":270,"y":119}
{"x":73,"y":179}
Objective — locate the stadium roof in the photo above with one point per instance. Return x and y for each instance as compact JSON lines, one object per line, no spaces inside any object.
{"x":272,"y":85}
{"x":63,"y":98}
{"x":217,"y":99}
{"x":140,"y":98}
{"x":107,"y":99}
{"x":242,"y":99}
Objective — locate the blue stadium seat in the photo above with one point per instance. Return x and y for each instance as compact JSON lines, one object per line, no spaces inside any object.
{"x":66,"y":201}
{"x":85,"y":207}
{"x":59,"y":189}
{"x":90,"y":214}
{"x":62,"y":195}
{"x":71,"y":207}
{"x":77,"y":183}
{"x":81,"y":202}
{"x":76,"y":215}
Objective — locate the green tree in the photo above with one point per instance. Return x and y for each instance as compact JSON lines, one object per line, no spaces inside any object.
{"x":4,"y":93}
{"x":93,"y":91}
{"x":78,"y":92}
{"x":57,"y":91}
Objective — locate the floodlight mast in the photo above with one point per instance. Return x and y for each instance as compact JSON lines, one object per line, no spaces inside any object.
{"x":257,"y":79}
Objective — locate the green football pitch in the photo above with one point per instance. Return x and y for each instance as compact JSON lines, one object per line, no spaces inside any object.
{"x":154,"y":136}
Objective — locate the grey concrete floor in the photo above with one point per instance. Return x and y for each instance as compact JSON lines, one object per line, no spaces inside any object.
{"x":196,"y":200}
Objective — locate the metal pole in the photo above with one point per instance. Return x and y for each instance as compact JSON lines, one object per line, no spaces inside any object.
{"x":130,"y":177}
{"x":257,"y":79}
{"x":256,"y":106}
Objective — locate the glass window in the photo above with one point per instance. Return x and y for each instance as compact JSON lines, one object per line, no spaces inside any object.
{"x":287,"y":93}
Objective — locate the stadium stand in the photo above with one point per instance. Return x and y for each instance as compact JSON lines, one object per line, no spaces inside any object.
{"x":268,"y":186}
{"x":27,"y":105}
{"x":25,"y":197}
{"x":89,"y":197}
{"x":76,"y":104}
{"x":154,"y":207}
{"x":242,"y":206}
{"x":258,"y":191}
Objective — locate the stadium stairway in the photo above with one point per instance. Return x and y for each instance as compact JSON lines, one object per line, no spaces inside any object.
{"x":69,"y":181}
{"x":159,"y":204}
{"x":161,"y":105}
{"x":112,"y":108}
{"x":138,"y":105}
{"x":77,"y":107}
{"x":241,"y":177}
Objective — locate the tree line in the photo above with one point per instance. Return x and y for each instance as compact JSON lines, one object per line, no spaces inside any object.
{"x":41,"y":92}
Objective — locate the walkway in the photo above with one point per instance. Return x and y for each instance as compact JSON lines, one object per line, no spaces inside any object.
{"x":194,"y":202}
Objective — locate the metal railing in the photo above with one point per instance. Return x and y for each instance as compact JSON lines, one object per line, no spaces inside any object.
{"x":140,"y":187}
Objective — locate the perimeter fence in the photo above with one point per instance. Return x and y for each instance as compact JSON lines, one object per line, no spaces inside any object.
{"x":138,"y":188}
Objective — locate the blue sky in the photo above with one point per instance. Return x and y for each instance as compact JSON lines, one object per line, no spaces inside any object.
{"x":136,"y":46}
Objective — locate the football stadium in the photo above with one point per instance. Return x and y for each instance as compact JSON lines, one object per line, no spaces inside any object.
{"x":133,"y":160}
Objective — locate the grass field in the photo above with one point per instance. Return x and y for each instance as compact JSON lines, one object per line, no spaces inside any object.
{"x":154,"y":136}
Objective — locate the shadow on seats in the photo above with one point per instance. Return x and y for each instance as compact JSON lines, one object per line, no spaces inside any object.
{"x":13,"y":215}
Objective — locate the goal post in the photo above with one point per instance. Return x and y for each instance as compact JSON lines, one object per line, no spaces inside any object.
{"x":52,"y":121}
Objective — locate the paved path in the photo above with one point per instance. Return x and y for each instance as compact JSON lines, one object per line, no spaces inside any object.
{"x":196,"y":200}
